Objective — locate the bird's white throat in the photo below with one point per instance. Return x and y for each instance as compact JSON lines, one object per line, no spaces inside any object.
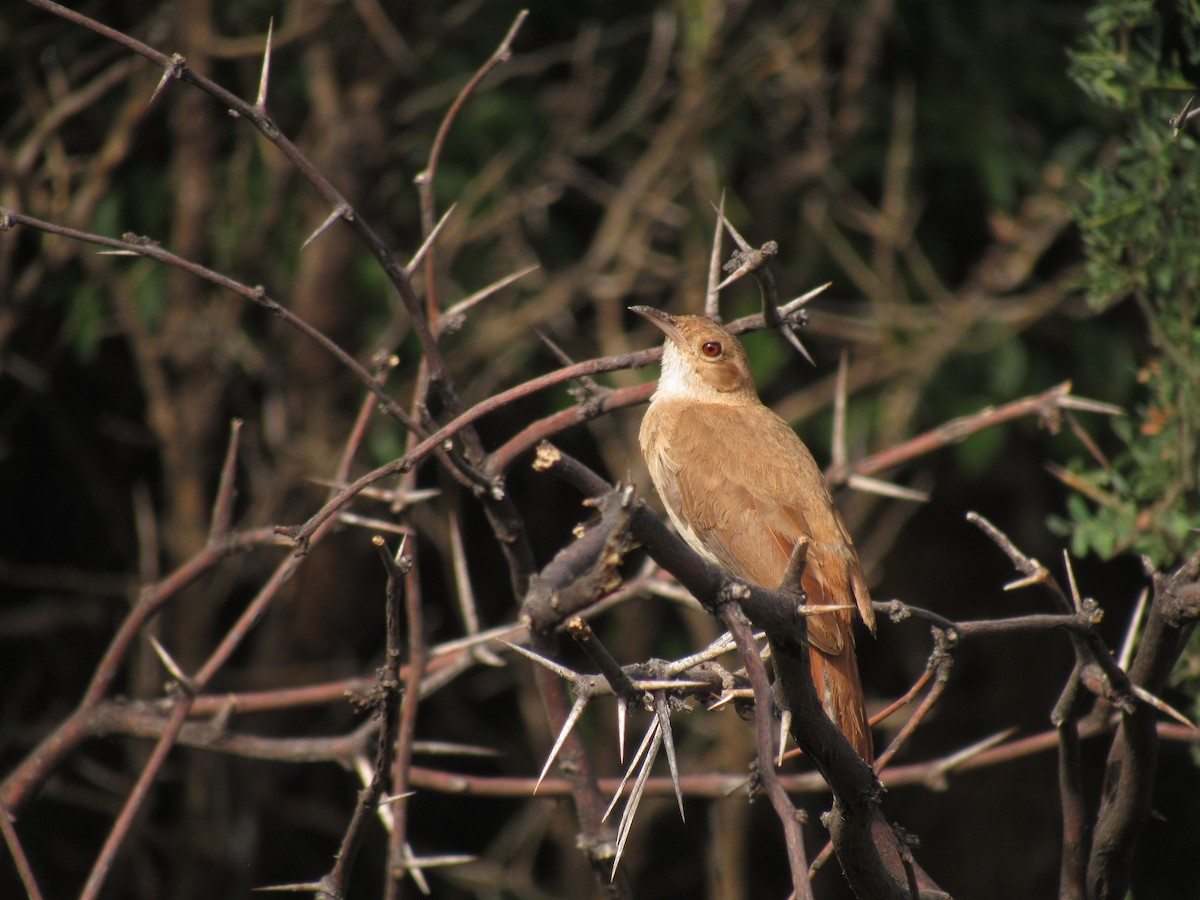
{"x":678,"y":379}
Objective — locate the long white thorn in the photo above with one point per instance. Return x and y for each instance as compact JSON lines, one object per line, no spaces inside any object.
{"x":839,"y":411}
{"x":462,"y":306}
{"x":622,"y":721}
{"x":956,"y":759}
{"x":635,"y":799}
{"x":560,"y":671}
{"x":712,"y":299}
{"x":794,"y":340}
{"x":785,"y":727}
{"x":1075,"y":598}
{"x":572,"y":718}
{"x":339,"y":212}
{"x":651,"y":731}
{"x":169,"y":662}
{"x":260,"y":102}
{"x":428,"y":242}
{"x":792,"y":305}
{"x":663,"y":712}
{"x":1163,"y":707}
{"x":1135,"y":624}
{"x":871,"y":485}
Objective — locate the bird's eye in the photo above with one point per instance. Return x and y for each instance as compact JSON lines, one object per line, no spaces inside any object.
{"x":711,"y":349}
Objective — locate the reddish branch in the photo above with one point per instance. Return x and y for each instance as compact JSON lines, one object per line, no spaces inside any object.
{"x":425,"y":180}
{"x":131,"y":245}
{"x":146,"y":720}
{"x":24,"y":869}
{"x":1047,"y":407}
{"x":865,"y":847}
{"x":877,"y":864}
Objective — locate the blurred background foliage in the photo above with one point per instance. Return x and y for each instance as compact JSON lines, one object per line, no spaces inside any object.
{"x":992,"y":188}
{"x":1139,"y":222}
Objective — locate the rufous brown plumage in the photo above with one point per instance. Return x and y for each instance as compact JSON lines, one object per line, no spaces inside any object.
{"x":743,"y":489}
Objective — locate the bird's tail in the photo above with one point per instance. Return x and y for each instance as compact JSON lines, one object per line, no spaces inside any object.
{"x":835,"y":676}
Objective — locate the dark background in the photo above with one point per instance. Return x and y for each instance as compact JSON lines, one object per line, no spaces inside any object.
{"x":924,"y":157}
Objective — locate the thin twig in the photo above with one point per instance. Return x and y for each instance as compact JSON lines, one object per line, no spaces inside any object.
{"x":24,"y":869}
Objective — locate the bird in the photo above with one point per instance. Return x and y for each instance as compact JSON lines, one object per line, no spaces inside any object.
{"x":742,"y":490}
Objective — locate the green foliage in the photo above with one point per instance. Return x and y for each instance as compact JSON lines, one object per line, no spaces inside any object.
{"x":769,"y":356}
{"x":1139,"y":225}
{"x":85,"y":322}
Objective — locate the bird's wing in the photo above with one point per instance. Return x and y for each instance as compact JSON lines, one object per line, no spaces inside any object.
{"x":706,"y":487}
{"x":858,"y":581}
{"x":753,"y":530}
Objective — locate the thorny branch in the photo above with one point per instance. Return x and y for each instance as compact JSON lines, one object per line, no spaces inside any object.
{"x":582,"y":578}
{"x":385,"y":702}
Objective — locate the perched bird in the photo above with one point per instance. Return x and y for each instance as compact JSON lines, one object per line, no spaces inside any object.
{"x":742,"y":489}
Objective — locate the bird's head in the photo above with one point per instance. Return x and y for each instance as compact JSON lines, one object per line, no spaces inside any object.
{"x":701,"y":359}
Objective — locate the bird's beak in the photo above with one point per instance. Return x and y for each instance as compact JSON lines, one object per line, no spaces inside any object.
{"x":663,"y":321}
